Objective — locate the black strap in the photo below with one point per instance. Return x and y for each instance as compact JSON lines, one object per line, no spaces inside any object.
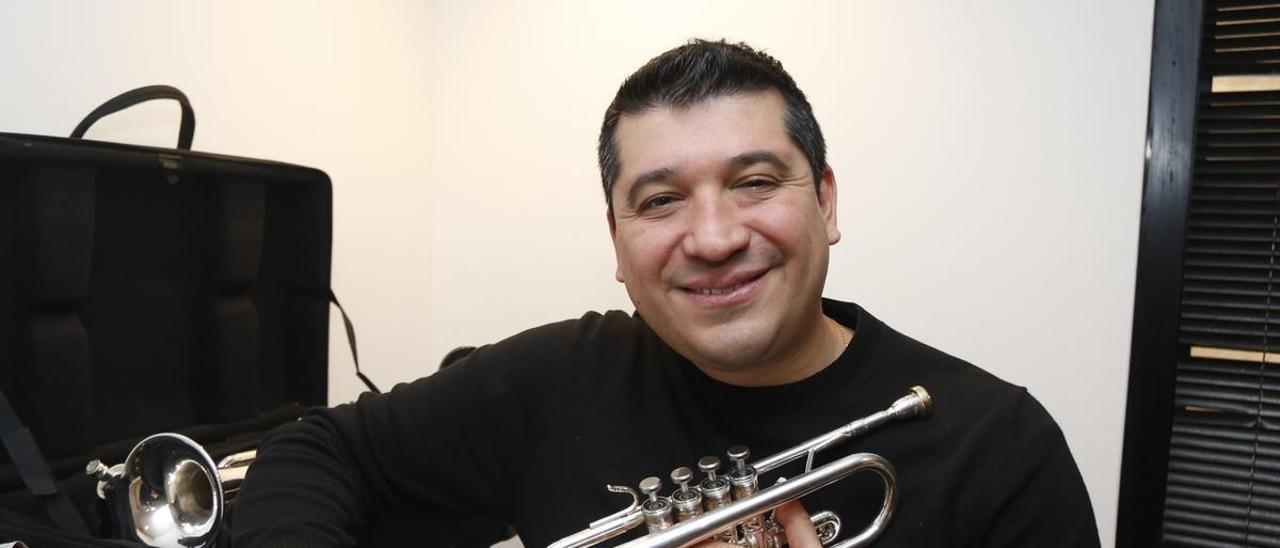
{"x":186,"y":129}
{"x":351,"y":341}
{"x":35,"y":472}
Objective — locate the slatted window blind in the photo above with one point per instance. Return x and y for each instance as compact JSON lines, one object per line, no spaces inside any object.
{"x":1223,"y":485}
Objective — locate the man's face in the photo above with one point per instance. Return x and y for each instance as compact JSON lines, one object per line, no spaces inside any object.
{"x":720,"y":236}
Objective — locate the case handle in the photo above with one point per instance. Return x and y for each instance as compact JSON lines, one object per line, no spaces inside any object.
{"x":186,"y":131}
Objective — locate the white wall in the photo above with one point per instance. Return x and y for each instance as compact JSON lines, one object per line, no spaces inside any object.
{"x":989,"y":155}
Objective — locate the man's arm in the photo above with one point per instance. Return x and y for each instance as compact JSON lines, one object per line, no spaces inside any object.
{"x":451,"y":443}
{"x":302,"y":490}
{"x":1043,"y":500}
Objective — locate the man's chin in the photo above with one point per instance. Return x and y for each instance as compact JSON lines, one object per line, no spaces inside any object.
{"x":729,"y":356}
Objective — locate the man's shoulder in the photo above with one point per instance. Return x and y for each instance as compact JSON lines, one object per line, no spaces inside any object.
{"x":537,"y":362}
{"x":956,"y":384}
{"x":944,"y":367}
{"x":559,"y":343}
{"x":591,"y":326}
{"x":1003,"y":448}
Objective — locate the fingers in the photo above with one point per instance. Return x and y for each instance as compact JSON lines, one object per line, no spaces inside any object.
{"x":795,"y":520}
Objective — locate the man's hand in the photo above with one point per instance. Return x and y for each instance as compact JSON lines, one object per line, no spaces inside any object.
{"x":795,"y":520}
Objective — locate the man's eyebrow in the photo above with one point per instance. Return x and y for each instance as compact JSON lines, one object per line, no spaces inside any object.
{"x":648,"y":177}
{"x":748,"y":159}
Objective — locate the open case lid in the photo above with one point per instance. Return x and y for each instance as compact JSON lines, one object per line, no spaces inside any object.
{"x":146,"y":289}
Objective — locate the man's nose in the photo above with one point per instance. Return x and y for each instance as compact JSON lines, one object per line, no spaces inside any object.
{"x":715,"y":232}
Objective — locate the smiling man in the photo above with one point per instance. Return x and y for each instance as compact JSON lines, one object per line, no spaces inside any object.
{"x":721,"y":207}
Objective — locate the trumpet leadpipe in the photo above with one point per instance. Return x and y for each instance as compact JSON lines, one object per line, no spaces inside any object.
{"x":603,"y":529}
{"x":916,"y":404}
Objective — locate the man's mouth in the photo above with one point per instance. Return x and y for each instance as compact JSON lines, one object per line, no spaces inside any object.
{"x":725,"y":292}
{"x":720,"y":290}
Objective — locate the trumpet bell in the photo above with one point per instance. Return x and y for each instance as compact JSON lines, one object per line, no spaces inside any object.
{"x":174,"y":492}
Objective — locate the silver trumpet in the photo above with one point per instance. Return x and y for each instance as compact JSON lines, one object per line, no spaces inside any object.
{"x":731,"y":508}
{"x":168,"y":492}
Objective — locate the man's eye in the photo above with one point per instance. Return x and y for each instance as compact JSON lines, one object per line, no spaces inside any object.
{"x":758,"y":184}
{"x":657,"y":202}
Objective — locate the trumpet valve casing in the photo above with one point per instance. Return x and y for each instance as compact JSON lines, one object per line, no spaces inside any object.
{"x":657,"y":510}
{"x":686,"y":500}
{"x":716,"y":493}
{"x":687,"y":503}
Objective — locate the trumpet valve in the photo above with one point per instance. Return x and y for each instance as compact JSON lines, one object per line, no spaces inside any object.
{"x":743,"y":476}
{"x":715,"y":494}
{"x":686,"y":500}
{"x":709,"y":465}
{"x":715,"y":491}
{"x":657,"y":510}
{"x":739,"y":455}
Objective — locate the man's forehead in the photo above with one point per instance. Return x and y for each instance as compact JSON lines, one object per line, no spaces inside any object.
{"x":711,"y":132}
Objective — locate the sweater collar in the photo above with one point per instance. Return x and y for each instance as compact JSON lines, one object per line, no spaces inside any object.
{"x":812,"y":390}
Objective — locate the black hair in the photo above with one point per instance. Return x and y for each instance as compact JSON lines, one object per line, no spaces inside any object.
{"x":701,"y":70}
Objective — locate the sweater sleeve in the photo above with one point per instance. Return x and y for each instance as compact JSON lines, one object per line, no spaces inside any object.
{"x":449,"y":444}
{"x":1041,"y":498}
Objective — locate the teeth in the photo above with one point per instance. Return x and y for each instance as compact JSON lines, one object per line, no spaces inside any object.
{"x":720,"y":291}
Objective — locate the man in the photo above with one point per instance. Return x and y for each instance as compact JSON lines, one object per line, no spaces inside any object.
{"x":721,"y":207}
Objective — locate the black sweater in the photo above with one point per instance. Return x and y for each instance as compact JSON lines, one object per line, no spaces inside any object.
{"x":532,"y":428}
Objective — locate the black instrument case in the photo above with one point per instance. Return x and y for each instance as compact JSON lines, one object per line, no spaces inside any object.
{"x":147,"y":290}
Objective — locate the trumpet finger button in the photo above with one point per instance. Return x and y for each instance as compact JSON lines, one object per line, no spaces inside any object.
{"x":681,"y":476}
{"x":739,"y":454}
{"x":708,"y":464}
{"x":650,"y":486}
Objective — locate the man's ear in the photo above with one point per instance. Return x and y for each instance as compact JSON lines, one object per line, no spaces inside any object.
{"x":827,"y":204}
{"x":613,"y":235}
